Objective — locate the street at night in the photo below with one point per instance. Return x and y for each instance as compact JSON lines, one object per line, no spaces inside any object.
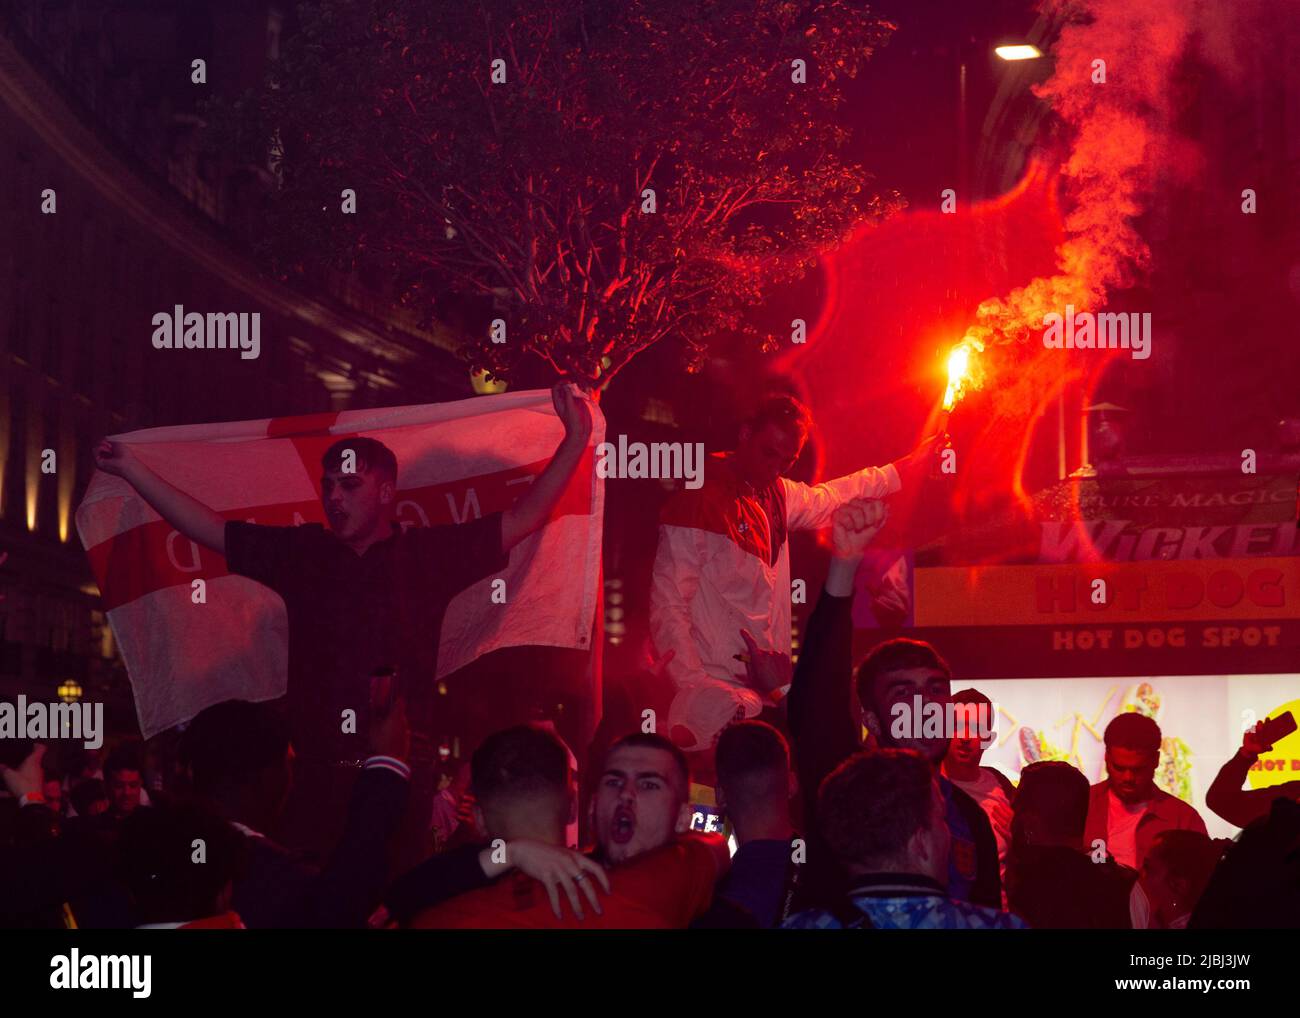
{"x":599,"y":465}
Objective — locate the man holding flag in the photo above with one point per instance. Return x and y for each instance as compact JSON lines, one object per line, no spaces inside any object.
{"x":363,"y":595}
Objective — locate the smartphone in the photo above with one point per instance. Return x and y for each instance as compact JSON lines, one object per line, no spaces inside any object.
{"x":1271,"y":731}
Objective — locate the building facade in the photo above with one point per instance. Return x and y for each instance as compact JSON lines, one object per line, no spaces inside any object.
{"x":110,"y":214}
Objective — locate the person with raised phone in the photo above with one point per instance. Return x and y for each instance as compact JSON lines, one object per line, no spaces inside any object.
{"x":1242,"y":807}
{"x":360,"y":595}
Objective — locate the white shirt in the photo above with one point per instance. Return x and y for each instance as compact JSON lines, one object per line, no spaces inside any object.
{"x":1121,"y":829}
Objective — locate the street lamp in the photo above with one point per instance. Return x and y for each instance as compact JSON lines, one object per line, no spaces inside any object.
{"x":70,"y":691}
{"x":1021,"y":51}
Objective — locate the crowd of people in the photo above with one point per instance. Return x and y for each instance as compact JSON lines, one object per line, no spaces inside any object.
{"x":841,"y":809}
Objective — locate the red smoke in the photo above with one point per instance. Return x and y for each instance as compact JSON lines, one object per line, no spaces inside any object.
{"x":1115,"y":146}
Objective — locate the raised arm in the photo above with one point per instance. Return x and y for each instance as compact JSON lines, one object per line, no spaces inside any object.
{"x":1239,"y":806}
{"x":822,"y":725}
{"x":534,"y":507}
{"x":809,"y":506}
{"x":188,"y":515}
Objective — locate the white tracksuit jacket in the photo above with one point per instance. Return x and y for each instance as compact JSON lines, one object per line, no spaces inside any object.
{"x":723,"y":564}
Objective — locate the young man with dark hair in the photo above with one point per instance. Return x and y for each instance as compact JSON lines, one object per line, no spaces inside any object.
{"x":1127,"y":810}
{"x":363,"y":595}
{"x":1054,"y":880}
{"x":722,"y":571}
{"x":241,"y":765}
{"x":988,"y":786}
{"x":371,"y":455}
{"x":897,"y":684}
{"x":883,"y":815}
{"x":660,"y":876}
{"x":755,"y":785}
{"x":124,"y":778}
{"x":642,"y":797}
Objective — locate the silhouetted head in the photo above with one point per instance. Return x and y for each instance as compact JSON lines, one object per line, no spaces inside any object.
{"x":882,"y":811}
{"x":1051,"y":805}
{"x":523,"y":785}
{"x":240,"y":758}
{"x":1176,"y":871}
{"x":179,"y":862}
{"x":752,"y":761}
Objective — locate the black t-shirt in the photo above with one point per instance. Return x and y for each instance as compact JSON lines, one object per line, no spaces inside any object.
{"x":350,"y":614}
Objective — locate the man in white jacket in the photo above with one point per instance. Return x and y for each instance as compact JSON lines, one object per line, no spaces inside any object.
{"x":721,"y":583}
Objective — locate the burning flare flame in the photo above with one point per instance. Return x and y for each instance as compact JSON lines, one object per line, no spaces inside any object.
{"x":961,"y":371}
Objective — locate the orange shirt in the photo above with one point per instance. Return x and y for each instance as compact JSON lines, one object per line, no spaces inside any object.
{"x":661,"y":890}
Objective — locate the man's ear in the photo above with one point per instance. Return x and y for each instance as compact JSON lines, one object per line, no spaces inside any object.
{"x":918,"y":845}
{"x":872,"y":723}
{"x":387,"y":492}
{"x":683,"y":819}
{"x":573,"y":805}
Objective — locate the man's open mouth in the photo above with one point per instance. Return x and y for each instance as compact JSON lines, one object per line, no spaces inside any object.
{"x":624,"y":826}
